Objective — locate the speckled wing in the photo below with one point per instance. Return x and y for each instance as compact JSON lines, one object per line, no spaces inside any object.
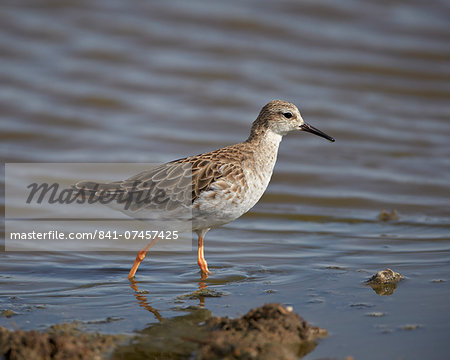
{"x":208,"y":170}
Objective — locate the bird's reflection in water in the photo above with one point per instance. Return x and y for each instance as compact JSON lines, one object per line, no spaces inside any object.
{"x":142,"y":299}
{"x":201,"y":286}
{"x":141,"y":296}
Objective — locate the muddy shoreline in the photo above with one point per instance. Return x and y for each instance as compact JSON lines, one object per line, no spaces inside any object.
{"x":266,"y":332}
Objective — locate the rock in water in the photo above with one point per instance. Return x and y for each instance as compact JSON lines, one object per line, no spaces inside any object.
{"x":385,"y":282}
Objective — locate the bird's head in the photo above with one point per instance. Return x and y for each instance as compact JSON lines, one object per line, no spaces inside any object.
{"x":282,"y":117}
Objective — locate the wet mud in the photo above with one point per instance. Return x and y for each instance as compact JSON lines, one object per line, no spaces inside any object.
{"x":271,"y":331}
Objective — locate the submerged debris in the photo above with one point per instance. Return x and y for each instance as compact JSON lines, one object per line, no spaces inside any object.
{"x":385,"y":282}
{"x":409,"y":327}
{"x":362,"y":305}
{"x":202,"y":293}
{"x":388,"y":216}
{"x":8,"y":313}
{"x":376,"y":314}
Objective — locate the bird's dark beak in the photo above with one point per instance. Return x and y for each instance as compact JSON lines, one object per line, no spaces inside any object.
{"x":313,"y":130}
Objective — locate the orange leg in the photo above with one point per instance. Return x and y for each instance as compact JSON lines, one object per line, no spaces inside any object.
{"x":141,"y":256}
{"x":201,"y":256}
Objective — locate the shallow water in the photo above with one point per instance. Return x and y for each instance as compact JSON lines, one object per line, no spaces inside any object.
{"x":110,"y":81}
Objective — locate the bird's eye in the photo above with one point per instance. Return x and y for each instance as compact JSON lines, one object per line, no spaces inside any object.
{"x":287,"y":115}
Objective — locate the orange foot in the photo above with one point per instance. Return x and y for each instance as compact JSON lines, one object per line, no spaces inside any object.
{"x":203,"y":266}
{"x":139,"y":257}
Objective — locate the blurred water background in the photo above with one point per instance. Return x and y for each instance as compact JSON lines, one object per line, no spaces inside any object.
{"x":143,"y":81}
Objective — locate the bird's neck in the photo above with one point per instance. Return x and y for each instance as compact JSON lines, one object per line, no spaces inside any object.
{"x":267,"y":140}
{"x":265,"y":153}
